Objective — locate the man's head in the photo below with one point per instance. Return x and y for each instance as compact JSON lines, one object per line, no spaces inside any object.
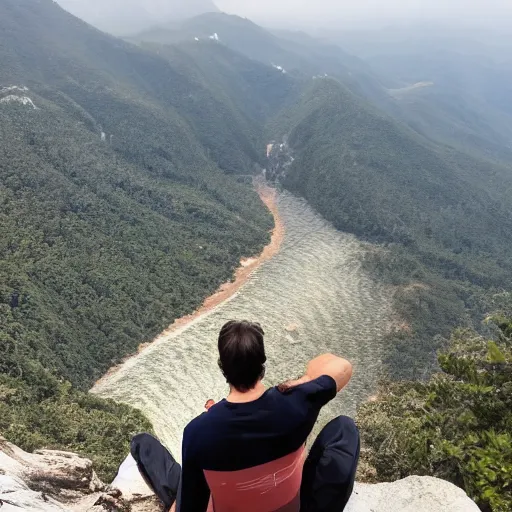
{"x":242,"y":354}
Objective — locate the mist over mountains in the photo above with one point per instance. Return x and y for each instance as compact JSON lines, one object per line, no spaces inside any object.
{"x":125,"y":17}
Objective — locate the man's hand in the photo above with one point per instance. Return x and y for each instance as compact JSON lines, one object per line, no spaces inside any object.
{"x":285,"y":386}
{"x":328,"y":364}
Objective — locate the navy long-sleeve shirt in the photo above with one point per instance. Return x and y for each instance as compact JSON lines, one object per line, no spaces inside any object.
{"x":233,"y":437}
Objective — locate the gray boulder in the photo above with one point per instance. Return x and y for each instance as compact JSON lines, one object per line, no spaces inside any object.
{"x":413,"y":494}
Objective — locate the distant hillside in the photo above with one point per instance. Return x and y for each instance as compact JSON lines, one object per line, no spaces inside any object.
{"x":453,"y":115}
{"x":123,"y":17}
{"x":233,"y":99}
{"x":296,"y":54}
{"x":464,"y":107}
{"x":468,"y":104}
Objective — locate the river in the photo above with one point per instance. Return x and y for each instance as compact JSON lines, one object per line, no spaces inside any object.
{"x":312,"y":297}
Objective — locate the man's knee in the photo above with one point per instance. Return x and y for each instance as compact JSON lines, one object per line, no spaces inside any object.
{"x":142,"y":437}
{"x":330,"y":469}
{"x":341,"y":433}
{"x":140,"y":443}
{"x":339,"y":427}
{"x":348,"y":425}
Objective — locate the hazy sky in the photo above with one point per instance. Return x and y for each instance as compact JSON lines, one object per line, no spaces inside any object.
{"x":318,"y":11}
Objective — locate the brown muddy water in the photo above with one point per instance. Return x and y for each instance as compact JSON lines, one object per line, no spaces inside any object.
{"x":312,"y":297}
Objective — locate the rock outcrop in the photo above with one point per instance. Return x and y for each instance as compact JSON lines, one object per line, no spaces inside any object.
{"x":53,"y":481}
{"x":413,"y":494}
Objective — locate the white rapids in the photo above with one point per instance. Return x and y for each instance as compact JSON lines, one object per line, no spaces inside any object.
{"x":312,"y":297}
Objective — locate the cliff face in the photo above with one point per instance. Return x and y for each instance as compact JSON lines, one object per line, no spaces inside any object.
{"x":52,"y":481}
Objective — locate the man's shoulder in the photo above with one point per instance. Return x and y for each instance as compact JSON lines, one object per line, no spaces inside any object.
{"x":204,"y":421}
{"x":196,"y":423}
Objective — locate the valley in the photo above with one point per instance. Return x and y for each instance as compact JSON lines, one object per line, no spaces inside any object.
{"x":313,"y":296}
{"x":128,"y":204}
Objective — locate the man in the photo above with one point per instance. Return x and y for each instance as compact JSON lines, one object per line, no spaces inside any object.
{"x":247,"y":452}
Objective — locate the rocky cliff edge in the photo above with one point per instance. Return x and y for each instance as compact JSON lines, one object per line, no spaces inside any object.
{"x":52,"y":481}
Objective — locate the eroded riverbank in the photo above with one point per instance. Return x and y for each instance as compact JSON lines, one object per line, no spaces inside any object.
{"x":312,"y":296}
{"x":269,"y":197}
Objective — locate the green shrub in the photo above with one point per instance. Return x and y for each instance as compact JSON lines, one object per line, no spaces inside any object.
{"x":457,"y":426}
{"x":67,"y":419}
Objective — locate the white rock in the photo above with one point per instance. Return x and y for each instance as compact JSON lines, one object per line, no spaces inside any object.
{"x":413,"y":494}
{"x":279,"y":68}
{"x":16,"y":496}
{"x":51,"y":481}
{"x":130,"y":482}
{"x":44,"y":480}
{"x":24,"y":100}
{"x":14,"y":88}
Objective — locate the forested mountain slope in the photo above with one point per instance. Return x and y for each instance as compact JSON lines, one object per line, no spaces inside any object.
{"x":112,"y":80}
{"x":150,"y":159}
{"x":101,"y":255}
{"x":390,"y":162}
{"x":452,"y":85}
{"x":446,"y":215}
{"x":233,"y":99}
{"x":296,"y":54}
{"x":115,"y":217}
{"x":449,"y":98}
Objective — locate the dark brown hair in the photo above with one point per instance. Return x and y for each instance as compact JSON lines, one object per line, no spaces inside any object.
{"x":242,"y":354}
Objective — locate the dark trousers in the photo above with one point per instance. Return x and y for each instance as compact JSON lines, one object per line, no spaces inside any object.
{"x":330,"y":468}
{"x":327,"y":479}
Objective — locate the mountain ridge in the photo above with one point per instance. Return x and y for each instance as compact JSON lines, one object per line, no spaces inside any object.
{"x":129,"y":16}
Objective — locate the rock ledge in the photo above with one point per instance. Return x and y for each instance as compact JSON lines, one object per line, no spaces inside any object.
{"x":53,"y":481}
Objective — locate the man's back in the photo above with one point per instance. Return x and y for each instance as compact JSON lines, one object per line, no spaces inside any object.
{"x":246,"y":454}
{"x":251,"y":453}
{"x":273,"y":486}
